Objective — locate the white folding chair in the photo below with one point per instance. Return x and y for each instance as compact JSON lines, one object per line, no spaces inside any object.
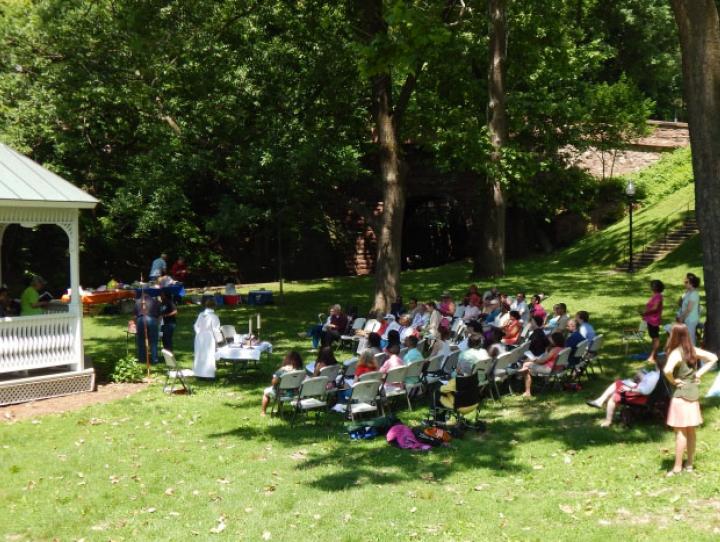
{"x":175,"y":373}
{"x":559,"y":370}
{"x":394,"y":385}
{"x":413,"y":376}
{"x":364,"y":398}
{"x":634,"y":335}
{"x":593,"y":353}
{"x":311,"y":396}
{"x":433,"y":371}
{"x":380,"y":358}
{"x":450,"y":363}
{"x":228,"y":333}
{"x":500,"y":371}
{"x":219,"y":338}
{"x":357,"y":325}
{"x":372,"y":375}
{"x":287,"y":389}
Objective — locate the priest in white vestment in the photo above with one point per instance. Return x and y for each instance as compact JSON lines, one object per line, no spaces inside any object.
{"x":207,"y":326}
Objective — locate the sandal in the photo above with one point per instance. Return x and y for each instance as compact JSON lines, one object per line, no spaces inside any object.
{"x":672,"y":473}
{"x":688,"y":468}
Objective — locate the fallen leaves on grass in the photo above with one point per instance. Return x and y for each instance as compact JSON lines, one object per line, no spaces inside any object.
{"x":220,"y":527}
{"x":266,"y":535}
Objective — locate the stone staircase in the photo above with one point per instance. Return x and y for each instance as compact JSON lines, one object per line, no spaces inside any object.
{"x":661,"y":248}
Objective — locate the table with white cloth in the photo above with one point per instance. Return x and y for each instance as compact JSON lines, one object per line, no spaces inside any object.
{"x":241,"y":356}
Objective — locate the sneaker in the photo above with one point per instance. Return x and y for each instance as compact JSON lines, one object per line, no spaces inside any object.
{"x":592,"y":404}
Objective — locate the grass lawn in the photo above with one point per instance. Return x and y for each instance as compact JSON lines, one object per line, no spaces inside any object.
{"x":156,"y":467}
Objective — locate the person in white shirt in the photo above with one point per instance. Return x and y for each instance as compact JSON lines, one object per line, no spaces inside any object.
{"x":207,"y":327}
{"x":472,"y":312}
{"x":406,"y":329}
{"x":633,"y":391}
{"x":433,"y":319}
{"x":393,"y":325}
{"x":521,"y":306}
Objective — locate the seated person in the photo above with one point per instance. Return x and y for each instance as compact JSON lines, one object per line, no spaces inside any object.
{"x":544,"y":364}
{"x":512,"y":329}
{"x":586,"y":330}
{"x":442,"y":344}
{"x":519,"y":305}
{"x":389,"y":324}
{"x":432,"y":315}
{"x":633,"y":391}
{"x":325,"y":359}
{"x":574,"y":338}
{"x":416,"y":311}
{"x":493,"y":310}
{"x":292,"y":362}
{"x":394,"y":360}
{"x":559,"y":320}
{"x":336,"y":325}
{"x":446,"y":393}
{"x":397,"y":308}
{"x":371,"y":343}
{"x":473,"y":295}
{"x":447,"y":305}
{"x":406,"y":328}
{"x":493,"y":342}
{"x":536,"y":308}
{"x":413,"y":354}
{"x":366,"y":363}
{"x":6,"y":308}
{"x":472,"y":312}
{"x":30,"y":303}
{"x":393,"y":339}
{"x":315,"y":331}
{"x":474,"y":353}
{"x":538,"y":340}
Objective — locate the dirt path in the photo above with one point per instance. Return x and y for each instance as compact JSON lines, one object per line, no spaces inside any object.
{"x":57,"y":405}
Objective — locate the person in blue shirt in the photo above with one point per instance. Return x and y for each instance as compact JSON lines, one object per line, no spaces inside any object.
{"x":158,"y":267}
{"x":586,"y":330}
{"x":413,"y":354}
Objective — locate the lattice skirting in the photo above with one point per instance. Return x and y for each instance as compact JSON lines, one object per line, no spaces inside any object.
{"x":46,"y":386}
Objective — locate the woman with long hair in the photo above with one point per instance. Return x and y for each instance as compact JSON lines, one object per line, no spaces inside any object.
{"x":653,"y":316}
{"x":291,"y":362}
{"x":689,"y":312}
{"x":683,"y":371}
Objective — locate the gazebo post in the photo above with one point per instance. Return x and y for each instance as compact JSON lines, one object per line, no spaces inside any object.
{"x":3,"y":227}
{"x":72,"y":230}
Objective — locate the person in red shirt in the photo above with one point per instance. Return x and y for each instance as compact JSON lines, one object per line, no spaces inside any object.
{"x":653,"y":316}
{"x":366,"y":363}
{"x":179,"y":270}
{"x":336,"y":326}
{"x":512,"y":329}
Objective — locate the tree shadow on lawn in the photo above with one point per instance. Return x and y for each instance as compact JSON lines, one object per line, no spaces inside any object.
{"x":358,"y":462}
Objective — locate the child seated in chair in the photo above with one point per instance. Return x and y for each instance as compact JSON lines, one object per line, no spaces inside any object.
{"x":631,"y":391}
{"x":542,"y":365}
{"x":292,"y":362}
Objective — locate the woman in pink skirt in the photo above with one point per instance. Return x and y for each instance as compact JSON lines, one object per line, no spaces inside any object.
{"x":683,"y":373}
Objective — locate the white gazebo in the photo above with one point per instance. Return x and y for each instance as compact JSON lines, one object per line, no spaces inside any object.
{"x":42,"y":356}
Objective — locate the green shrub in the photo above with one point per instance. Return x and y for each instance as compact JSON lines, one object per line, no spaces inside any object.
{"x":127,"y":369}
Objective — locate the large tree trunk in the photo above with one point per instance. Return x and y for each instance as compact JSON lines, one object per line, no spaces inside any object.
{"x":489,"y":257}
{"x":699,"y":29}
{"x":392,"y":168}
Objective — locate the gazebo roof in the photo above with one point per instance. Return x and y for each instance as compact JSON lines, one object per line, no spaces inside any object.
{"x":24,"y":183}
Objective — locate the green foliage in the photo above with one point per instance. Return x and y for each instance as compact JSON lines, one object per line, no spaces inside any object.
{"x":127,"y":370}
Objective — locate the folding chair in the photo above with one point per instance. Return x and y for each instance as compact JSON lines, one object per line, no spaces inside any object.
{"x":421,"y":346}
{"x":450,"y":363}
{"x":559,"y":370}
{"x":219,"y":338}
{"x":348,"y":339}
{"x":403,"y":351}
{"x":311,"y":396}
{"x":457,"y":329}
{"x":175,"y":373}
{"x":593,"y":357}
{"x":580,"y":359}
{"x":433,"y":371}
{"x":656,"y":406}
{"x":413,"y":377}
{"x":287,"y":389}
{"x":500,"y":373}
{"x":394,"y":385}
{"x":634,"y":335}
{"x":364,"y":398}
{"x":484,"y":371}
{"x":348,"y":369}
{"x":372,"y":375}
{"x":380,"y":358}
{"x":228,"y":333}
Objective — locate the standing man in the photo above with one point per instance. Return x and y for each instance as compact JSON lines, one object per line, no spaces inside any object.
{"x":147,"y":314}
{"x":158,"y":267}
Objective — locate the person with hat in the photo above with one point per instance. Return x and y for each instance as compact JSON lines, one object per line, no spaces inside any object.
{"x":30,"y":304}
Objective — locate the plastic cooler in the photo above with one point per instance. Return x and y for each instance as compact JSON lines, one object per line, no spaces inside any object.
{"x":231,"y":300}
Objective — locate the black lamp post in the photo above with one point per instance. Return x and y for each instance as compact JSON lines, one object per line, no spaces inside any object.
{"x":630,"y":192}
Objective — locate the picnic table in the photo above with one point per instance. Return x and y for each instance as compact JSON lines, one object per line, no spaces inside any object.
{"x":176,"y":290}
{"x":241,"y":356}
{"x":99,"y":298}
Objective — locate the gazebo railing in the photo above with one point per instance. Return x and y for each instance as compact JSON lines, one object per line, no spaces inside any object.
{"x":37,"y":342}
